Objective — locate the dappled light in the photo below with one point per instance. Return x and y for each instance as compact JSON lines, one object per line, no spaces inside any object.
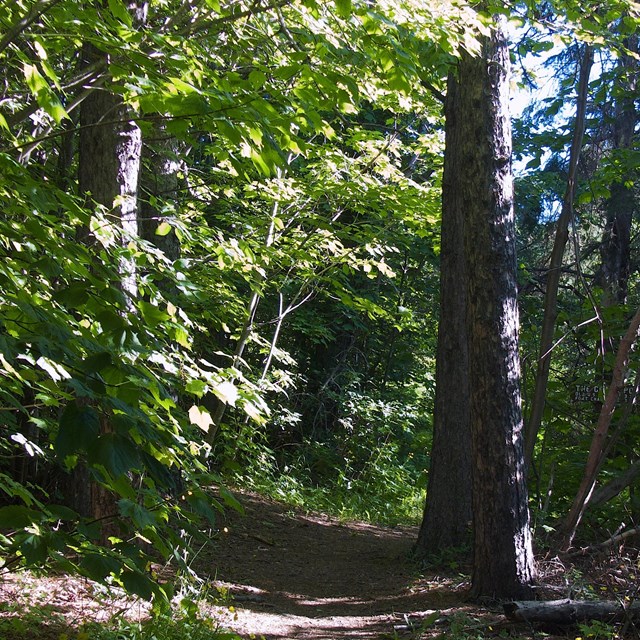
{"x":286,"y":351}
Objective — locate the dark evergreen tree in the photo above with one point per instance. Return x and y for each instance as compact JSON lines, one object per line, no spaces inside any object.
{"x":503,"y":563}
{"x":447,"y":512}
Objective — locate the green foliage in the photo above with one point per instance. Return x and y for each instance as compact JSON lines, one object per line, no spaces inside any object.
{"x":74,"y":357}
{"x":369,"y":466}
{"x":598,"y":630}
{"x":177,"y":627}
{"x":589,"y":323}
{"x":306,"y":207}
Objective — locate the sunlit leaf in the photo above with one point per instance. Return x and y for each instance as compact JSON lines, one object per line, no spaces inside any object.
{"x":200,"y":417}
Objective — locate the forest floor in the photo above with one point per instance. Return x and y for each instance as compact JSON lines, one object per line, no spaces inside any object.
{"x":279,"y":573}
{"x":291,"y":575}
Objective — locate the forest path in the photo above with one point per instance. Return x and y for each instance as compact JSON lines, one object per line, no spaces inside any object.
{"x":291,"y":575}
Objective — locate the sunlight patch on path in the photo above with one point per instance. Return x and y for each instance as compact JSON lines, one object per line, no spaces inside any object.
{"x":275,"y":626}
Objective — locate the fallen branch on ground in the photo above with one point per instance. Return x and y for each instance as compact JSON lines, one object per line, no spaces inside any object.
{"x":565,"y":612}
{"x":614,"y":539}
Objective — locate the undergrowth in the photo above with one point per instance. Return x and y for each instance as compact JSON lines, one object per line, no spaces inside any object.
{"x":381,"y":491}
{"x":366,"y":459}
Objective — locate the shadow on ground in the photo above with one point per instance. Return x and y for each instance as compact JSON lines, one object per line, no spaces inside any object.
{"x":289,"y":575}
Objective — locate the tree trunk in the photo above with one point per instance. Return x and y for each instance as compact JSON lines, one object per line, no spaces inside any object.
{"x":598,"y":442}
{"x":614,"y":487}
{"x":555,"y":266}
{"x":503,"y":559}
{"x":613,"y":276}
{"x":216,"y":406}
{"x":159,"y":183}
{"x":447,"y":513}
{"x":108,"y":170}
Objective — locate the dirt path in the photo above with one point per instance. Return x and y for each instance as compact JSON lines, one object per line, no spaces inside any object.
{"x":289,"y":575}
{"x":282,"y":574}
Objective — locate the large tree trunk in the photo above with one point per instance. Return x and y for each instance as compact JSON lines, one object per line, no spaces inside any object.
{"x":159,"y":184}
{"x":109,"y":166}
{"x":108,"y":169}
{"x":447,"y":513}
{"x":503,"y":564}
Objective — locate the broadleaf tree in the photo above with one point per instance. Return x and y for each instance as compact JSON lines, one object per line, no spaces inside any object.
{"x":292,"y":117}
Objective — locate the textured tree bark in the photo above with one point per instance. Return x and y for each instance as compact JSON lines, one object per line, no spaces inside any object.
{"x":110,"y":148}
{"x":503,"y":565}
{"x":447,"y":513}
{"x":109,"y":166}
{"x":566,"y":612}
{"x":159,"y":183}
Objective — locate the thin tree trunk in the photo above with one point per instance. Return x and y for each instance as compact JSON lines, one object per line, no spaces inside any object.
{"x":217,"y":406}
{"x":282,"y":314}
{"x":614,"y":487}
{"x":613,"y":276}
{"x":614,"y":272}
{"x":598,"y":442}
{"x":555,"y":265}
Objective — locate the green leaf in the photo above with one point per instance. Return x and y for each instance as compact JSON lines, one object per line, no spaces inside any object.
{"x":60,"y":512}
{"x":99,"y":566}
{"x":75,"y":295}
{"x":257,"y":79}
{"x":260,"y":161}
{"x":181,"y":336}
{"x":164,"y":228}
{"x":141,"y":517}
{"x":197,"y":387}
{"x":4,"y":124}
{"x":35,"y":549}
{"x":202,"y":505}
{"x":115,"y":453}
{"x":120,"y":11}
{"x":137,"y":583}
{"x":230,"y":500}
{"x":97,"y":362}
{"x":17,"y":490}
{"x":112,"y":321}
{"x":43,"y":93}
{"x":152,"y":315}
{"x":18,"y":517}
{"x":36,"y":83}
{"x":78,"y":429}
{"x":343,"y":7}
{"x":585,"y":197}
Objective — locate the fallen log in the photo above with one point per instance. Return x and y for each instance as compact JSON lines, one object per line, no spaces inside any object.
{"x":565,"y":612}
